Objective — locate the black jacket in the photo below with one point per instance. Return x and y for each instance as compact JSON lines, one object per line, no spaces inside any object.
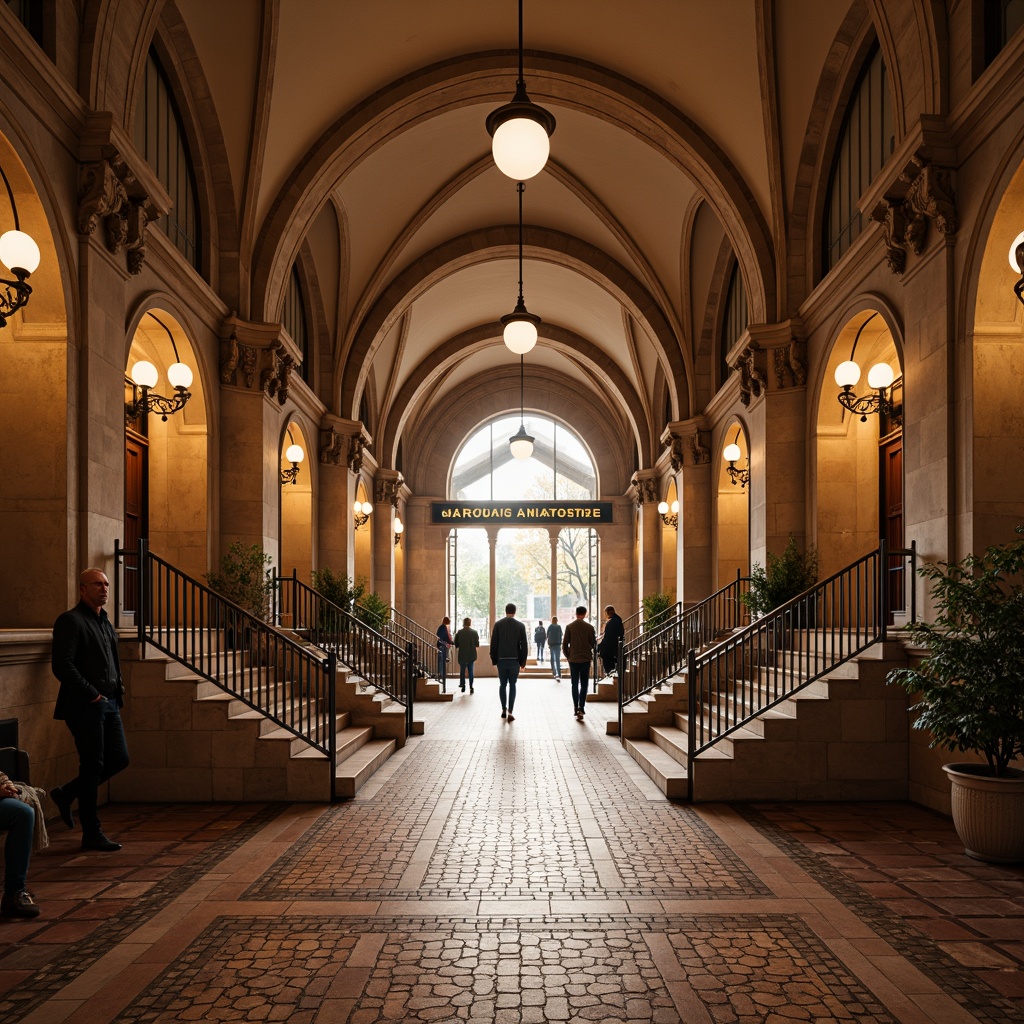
{"x":508,"y":640}
{"x":80,"y":661}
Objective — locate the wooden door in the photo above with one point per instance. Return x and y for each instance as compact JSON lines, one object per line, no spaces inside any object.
{"x":136,"y":513}
{"x":891,"y":516}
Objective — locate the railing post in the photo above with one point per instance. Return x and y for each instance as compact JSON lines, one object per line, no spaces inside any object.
{"x":332,"y":721}
{"x":410,"y":687}
{"x":913,"y":581}
{"x":117,"y":582}
{"x":883,"y":575}
{"x":620,"y":689}
{"x":691,"y":718}
{"x":145,"y":583}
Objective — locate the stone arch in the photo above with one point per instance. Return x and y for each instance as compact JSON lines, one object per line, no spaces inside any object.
{"x":39,"y":357}
{"x":500,"y":243}
{"x":483,"y":78}
{"x":178,"y":452}
{"x":844,"y":449}
{"x":732,"y":505}
{"x":297,"y":504}
{"x":614,"y":399}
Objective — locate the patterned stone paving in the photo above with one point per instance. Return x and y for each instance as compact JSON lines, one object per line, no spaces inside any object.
{"x":517,"y":874}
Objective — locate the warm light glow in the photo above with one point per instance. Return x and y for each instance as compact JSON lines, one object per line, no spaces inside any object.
{"x":520,"y":336}
{"x":179,"y":375}
{"x":366,"y":508}
{"x":399,"y":526}
{"x":294,"y":454}
{"x":675,"y":508}
{"x":357,"y":507}
{"x":847,"y":374}
{"x":520,"y":147}
{"x":662,"y":507}
{"x":522,"y":447}
{"x":731,"y":453}
{"x":880,"y":376}
{"x":19,"y":251}
{"x":144,"y":374}
{"x":1013,"y":254}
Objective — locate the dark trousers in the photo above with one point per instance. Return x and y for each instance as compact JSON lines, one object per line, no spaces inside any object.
{"x":102,"y":753}
{"x":508,"y":676}
{"x":18,"y":821}
{"x":579,"y":673}
{"x":465,"y":670}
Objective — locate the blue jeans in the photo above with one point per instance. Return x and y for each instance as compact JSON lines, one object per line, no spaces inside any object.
{"x":556,"y":661}
{"x":579,"y":671}
{"x":540,"y":652}
{"x":508,"y":675}
{"x":102,"y":753}
{"x":464,"y":671}
{"x":18,"y":821}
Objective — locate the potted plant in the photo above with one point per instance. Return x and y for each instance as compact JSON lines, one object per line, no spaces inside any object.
{"x":656,"y":610}
{"x":782,"y":578}
{"x":970,"y":692}
{"x":244,"y":578}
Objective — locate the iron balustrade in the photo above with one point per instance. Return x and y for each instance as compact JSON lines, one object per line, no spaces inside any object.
{"x":376,"y":660}
{"x":789,"y":648}
{"x":407,"y":631}
{"x":652,"y":658}
{"x":257,"y":664}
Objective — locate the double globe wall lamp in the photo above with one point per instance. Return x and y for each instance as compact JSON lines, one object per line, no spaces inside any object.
{"x":399,"y":530}
{"x":520,"y":442}
{"x":731,"y":453}
{"x":880,"y":380}
{"x":669,"y":513}
{"x":144,"y":376}
{"x":361,"y":513}
{"x":520,"y":326}
{"x":20,"y":255}
{"x":520,"y":130}
{"x":1017,"y":264}
{"x":293,"y":454}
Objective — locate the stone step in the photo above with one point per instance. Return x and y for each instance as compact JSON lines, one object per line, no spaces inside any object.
{"x":353,"y":772}
{"x":666,"y":773}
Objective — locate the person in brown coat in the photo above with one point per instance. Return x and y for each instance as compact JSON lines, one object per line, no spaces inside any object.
{"x":578,"y":647}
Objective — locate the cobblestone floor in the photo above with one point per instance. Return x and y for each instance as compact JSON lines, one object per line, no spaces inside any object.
{"x":515,"y":874}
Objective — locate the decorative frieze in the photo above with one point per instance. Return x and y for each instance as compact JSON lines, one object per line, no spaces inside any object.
{"x":256,"y":356}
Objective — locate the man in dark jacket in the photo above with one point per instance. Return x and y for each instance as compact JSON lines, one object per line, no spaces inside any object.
{"x":86,"y":663}
{"x":608,"y":647}
{"x":578,"y":648}
{"x":509,"y":650}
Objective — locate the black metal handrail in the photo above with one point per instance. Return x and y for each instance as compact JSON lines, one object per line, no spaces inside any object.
{"x":652,"y":658}
{"x":292,"y":685}
{"x":789,"y":648}
{"x":376,"y":660}
{"x":405,"y":631}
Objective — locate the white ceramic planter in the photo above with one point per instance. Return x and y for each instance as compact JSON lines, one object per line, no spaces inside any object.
{"x":988,"y":812}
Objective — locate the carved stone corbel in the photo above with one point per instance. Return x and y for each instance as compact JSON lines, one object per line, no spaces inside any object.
{"x":386,"y":489}
{"x":894,"y":225}
{"x":789,"y":367}
{"x":931,"y":195}
{"x":677,"y":454}
{"x":700,"y":454}
{"x":753,"y":382}
{"x":332,"y":444}
{"x":356,"y":447}
{"x":645,"y":490}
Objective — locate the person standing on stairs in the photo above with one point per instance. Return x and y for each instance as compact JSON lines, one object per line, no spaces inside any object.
{"x":467,"y":640}
{"x":611,"y":636}
{"x":555,"y":648}
{"x":91,"y":694}
{"x":509,"y":650}
{"x":578,"y":648}
{"x":444,"y":643}
{"x":539,"y":637}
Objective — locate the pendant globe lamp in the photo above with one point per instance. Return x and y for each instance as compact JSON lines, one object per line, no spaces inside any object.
{"x":520,"y":442}
{"x":520,"y":130}
{"x":520,"y":326}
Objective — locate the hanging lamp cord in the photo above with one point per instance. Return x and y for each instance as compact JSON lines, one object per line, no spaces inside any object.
{"x":520,"y":188}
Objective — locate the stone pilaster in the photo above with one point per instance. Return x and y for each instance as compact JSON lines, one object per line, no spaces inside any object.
{"x":644,"y":485}
{"x":688,"y":450}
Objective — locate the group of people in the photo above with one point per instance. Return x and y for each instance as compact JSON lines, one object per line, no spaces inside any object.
{"x":509,"y":650}
{"x":86,"y":664}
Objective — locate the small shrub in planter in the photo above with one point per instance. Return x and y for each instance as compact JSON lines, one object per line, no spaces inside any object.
{"x":656,"y":609}
{"x":374,"y":611}
{"x":783,"y":577}
{"x":244,"y":579}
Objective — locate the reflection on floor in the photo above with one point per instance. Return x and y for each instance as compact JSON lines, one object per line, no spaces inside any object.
{"x":517,"y":873}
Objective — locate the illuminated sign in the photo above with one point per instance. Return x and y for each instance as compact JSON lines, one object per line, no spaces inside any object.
{"x":521,"y":513}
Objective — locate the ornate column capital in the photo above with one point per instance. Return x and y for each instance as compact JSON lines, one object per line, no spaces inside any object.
{"x":780,"y":346}
{"x":117,"y":189}
{"x":387,"y":487}
{"x":256,"y":356}
{"x":687,"y":441}
{"x":645,"y":487}
{"x":342,"y":440}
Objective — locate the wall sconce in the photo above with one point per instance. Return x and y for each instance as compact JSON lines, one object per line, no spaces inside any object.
{"x":731,"y":453}
{"x":294,"y":454}
{"x":20,"y":254}
{"x":669,"y":518}
{"x":361,"y":512}
{"x":399,"y":530}
{"x":520,"y":442}
{"x":144,"y":377}
{"x":880,"y":379}
{"x":520,"y":130}
{"x":1016,"y":263}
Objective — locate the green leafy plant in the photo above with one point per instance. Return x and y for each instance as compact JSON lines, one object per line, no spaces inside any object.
{"x":244,"y":578}
{"x":337,"y":588}
{"x":783,"y":577}
{"x":656,"y":609}
{"x":374,"y":611}
{"x":970,"y":686}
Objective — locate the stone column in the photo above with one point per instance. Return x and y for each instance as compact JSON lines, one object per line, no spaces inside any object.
{"x":553,"y":539}
{"x":385,"y":496}
{"x":689,"y":456}
{"x":645,"y":496}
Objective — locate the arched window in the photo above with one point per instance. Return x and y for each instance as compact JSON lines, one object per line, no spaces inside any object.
{"x":1003,"y":19}
{"x":735,"y":320}
{"x":294,"y":320}
{"x":865,"y":142}
{"x":159,"y":136}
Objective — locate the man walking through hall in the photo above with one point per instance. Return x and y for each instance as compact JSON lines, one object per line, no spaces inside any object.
{"x":509,"y":650}
{"x":578,"y":648}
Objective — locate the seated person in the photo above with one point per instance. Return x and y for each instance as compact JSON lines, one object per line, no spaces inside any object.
{"x":18,"y":820}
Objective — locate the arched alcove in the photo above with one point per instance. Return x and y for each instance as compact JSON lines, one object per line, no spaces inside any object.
{"x":732,"y":507}
{"x":670,"y":540}
{"x":296,"y":504}
{"x":362,"y":540}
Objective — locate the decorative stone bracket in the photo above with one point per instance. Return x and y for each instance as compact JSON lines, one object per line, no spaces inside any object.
{"x":753,"y":382}
{"x":343,"y":441}
{"x":645,"y":487}
{"x":687,"y":437}
{"x":117,"y":189}
{"x":923,"y":194}
{"x":256,"y":356}
{"x":387,"y":486}
{"x":781,"y":345}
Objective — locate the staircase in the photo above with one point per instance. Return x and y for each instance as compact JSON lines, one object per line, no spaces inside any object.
{"x":793,"y":706}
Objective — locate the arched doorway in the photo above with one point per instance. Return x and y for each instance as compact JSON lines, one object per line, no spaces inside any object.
{"x":167,"y":471}
{"x":859,"y":455}
{"x":296,"y":475}
{"x":733,"y":506}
